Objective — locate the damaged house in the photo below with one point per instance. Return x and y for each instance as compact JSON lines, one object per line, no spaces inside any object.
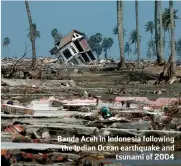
{"x":73,"y":48}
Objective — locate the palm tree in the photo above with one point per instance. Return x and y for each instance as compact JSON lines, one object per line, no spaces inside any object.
{"x":56,"y":35}
{"x":137,"y":31}
{"x":98,"y":37}
{"x":149,"y":27}
{"x":169,"y":69}
{"x":166,"y":18}
{"x":115,"y":31}
{"x":32,"y":38}
{"x":166,"y":21}
{"x":122,"y":63}
{"x":127,"y":49}
{"x":172,"y":26}
{"x":106,"y":44}
{"x":151,"y":48}
{"x":133,"y":38}
{"x":6,"y":42}
{"x":54,"y":32}
{"x":36,"y":33}
{"x":98,"y":50}
{"x":94,"y":43}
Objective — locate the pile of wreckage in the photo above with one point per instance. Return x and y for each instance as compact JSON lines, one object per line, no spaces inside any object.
{"x":21,"y":69}
{"x":48,"y":68}
{"x":29,"y":133}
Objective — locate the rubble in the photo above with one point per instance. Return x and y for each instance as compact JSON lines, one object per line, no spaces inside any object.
{"x":140,"y":125}
{"x":69,"y":104}
{"x":126,"y":122}
{"x":113,"y":132}
{"x":16,"y":109}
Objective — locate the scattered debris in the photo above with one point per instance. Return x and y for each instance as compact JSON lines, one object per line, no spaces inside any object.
{"x":57,"y":100}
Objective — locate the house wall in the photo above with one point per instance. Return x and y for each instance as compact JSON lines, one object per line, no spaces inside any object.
{"x":84,"y":44}
{"x":63,"y":49}
{"x":73,"y":45}
{"x":58,"y":54}
{"x":71,"y":51}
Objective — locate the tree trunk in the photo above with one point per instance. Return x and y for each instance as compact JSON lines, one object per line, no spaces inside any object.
{"x":137,"y":32}
{"x":169,"y":41}
{"x":32,"y":37}
{"x":122,"y":63}
{"x":172,"y":58}
{"x":161,"y":61}
{"x":152,"y":47}
{"x":164,"y":43}
{"x":105,"y":54}
{"x":8,"y":51}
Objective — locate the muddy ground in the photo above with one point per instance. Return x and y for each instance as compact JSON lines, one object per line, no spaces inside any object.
{"x":100,"y":82}
{"x":107,"y":84}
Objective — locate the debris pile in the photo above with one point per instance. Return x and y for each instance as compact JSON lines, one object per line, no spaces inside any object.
{"x":141,"y":118}
{"x":70,"y":101}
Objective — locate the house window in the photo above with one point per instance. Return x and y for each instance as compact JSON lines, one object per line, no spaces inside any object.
{"x":85,"y":57}
{"x":73,"y":49}
{"x":91,"y":55}
{"x":79,"y":47}
{"x":67,"y":53}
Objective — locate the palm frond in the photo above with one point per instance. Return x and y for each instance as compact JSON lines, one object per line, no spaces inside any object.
{"x":149,"y":27}
{"x":35,"y":32}
{"x":115,"y":31}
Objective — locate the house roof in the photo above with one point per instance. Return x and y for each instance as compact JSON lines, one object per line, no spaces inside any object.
{"x":68,"y":38}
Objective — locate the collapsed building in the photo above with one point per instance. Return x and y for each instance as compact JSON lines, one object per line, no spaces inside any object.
{"x":73,"y":48}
